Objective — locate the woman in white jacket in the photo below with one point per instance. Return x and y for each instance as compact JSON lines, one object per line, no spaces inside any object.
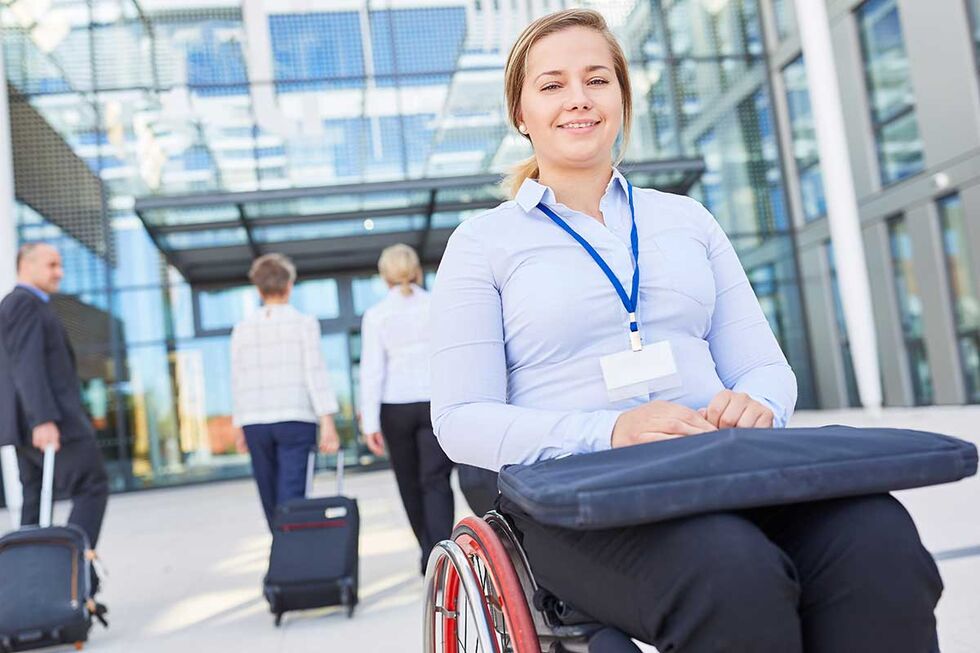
{"x":395,"y":397}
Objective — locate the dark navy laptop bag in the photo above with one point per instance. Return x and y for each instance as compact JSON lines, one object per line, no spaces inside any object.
{"x":729,"y":470}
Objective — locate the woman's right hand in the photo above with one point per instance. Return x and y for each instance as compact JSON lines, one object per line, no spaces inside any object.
{"x":375,"y":442}
{"x":657,"y":420}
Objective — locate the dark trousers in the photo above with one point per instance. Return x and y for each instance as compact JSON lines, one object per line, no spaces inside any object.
{"x":280,"y":453}
{"x":822,"y":577}
{"x":422,"y":471}
{"x":79,"y":472}
{"x":479,"y":486}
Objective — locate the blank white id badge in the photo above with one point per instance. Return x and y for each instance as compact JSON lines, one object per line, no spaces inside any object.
{"x":631,"y":374}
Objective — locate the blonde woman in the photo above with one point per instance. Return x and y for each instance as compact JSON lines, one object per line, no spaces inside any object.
{"x":395,"y":397}
{"x":582,"y":272}
{"x":280,"y":387}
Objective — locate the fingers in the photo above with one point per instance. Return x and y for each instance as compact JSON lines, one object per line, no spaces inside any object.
{"x":689,"y":416}
{"x":753,"y":411}
{"x":731,"y":409}
{"x":375,"y":443}
{"x":717,"y":407}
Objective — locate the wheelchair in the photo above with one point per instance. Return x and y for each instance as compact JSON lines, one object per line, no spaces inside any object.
{"x":480,"y":596}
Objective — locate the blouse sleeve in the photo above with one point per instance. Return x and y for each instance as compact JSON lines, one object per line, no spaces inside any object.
{"x":373,"y":363}
{"x":746,"y":354}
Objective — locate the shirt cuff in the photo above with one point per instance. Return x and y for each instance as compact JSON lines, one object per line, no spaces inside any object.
{"x":593,"y":433}
{"x":779,"y":418}
{"x":370,"y":424}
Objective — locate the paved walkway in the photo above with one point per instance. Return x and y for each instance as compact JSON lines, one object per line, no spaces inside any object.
{"x":186,"y":564}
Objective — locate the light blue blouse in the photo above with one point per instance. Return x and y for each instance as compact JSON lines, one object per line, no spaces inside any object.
{"x":521,"y":315}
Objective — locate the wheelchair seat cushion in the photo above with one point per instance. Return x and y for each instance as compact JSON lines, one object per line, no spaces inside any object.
{"x":731,"y":469}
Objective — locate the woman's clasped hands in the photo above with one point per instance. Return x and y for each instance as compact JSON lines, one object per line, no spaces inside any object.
{"x":663,"y":420}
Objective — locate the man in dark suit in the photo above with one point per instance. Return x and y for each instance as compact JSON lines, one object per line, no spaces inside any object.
{"x":40,"y":397}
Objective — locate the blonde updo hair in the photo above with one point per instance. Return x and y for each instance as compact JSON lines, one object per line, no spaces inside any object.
{"x":399,"y":266}
{"x":516,"y":72}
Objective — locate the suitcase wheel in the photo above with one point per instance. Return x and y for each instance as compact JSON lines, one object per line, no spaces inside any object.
{"x":278,"y":619}
{"x":347,"y":598}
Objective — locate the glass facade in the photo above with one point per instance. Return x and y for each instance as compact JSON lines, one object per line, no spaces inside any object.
{"x":785,"y":16}
{"x":133,"y":101}
{"x":804,"y":140}
{"x":886,"y":69}
{"x":850,"y":380}
{"x":966,"y":307}
{"x":910,"y":311}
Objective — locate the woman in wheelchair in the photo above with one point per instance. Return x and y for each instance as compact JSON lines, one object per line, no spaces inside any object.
{"x":587,"y":314}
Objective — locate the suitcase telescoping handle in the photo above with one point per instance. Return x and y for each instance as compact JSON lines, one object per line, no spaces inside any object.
{"x":47,"y":487}
{"x":311,"y":467}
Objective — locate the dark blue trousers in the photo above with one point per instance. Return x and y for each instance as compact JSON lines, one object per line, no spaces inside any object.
{"x":280,"y":453}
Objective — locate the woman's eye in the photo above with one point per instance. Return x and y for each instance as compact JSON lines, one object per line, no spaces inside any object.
{"x":550,"y":87}
{"x":598,"y":81}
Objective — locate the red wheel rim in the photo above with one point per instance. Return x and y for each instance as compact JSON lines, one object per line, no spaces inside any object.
{"x":451,"y":599}
{"x":477,"y":539}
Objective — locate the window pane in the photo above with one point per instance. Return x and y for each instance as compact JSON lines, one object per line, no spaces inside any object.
{"x":966,"y":309}
{"x":900,"y":148}
{"x":367,"y":292}
{"x":804,"y":140}
{"x":785,"y":18}
{"x":742,"y":185}
{"x":223,"y":309}
{"x":850,"y":379}
{"x":910,"y":309}
{"x":886,"y":68}
{"x":317,"y":297}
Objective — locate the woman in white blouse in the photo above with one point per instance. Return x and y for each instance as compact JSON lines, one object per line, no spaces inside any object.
{"x":587,"y":314}
{"x":395,"y":397}
{"x":280,"y":387}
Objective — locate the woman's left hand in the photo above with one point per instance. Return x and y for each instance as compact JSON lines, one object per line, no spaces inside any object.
{"x":731,"y":409}
{"x":329,"y":438}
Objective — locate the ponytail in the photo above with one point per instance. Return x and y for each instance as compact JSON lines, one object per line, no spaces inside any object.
{"x":526,"y":169}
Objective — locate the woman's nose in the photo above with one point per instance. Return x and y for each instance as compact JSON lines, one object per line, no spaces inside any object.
{"x":577,"y":98}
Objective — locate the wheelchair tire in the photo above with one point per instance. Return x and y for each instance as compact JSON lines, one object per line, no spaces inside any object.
{"x":503,"y":599}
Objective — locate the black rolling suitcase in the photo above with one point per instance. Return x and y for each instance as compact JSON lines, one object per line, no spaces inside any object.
{"x":45,"y":598}
{"x":314,"y":558}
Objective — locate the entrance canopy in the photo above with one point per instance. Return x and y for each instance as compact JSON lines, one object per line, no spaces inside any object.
{"x":212,"y":238}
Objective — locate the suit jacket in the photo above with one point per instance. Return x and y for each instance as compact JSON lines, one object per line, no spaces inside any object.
{"x":38,"y":377}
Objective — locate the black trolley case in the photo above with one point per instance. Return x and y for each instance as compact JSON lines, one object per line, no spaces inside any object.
{"x":45,"y":597}
{"x":314,"y":556}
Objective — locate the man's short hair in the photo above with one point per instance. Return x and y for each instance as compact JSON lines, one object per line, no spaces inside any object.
{"x":272,"y":274}
{"x":26,"y":250}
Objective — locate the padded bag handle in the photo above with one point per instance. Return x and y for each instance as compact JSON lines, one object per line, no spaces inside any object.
{"x":47,"y":487}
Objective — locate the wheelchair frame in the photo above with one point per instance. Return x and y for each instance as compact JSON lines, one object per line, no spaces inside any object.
{"x":501,"y":602}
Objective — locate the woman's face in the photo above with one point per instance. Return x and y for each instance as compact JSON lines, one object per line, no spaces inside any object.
{"x":571,"y":103}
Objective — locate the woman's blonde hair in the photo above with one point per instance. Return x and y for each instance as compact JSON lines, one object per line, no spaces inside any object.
{"x":516,"y":72}
{"x":399,"y":266}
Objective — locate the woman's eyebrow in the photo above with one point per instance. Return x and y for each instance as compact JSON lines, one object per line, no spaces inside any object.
{"x":589,"y":69}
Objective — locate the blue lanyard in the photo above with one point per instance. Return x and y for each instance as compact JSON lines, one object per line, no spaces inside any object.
{"x":629,"y":302}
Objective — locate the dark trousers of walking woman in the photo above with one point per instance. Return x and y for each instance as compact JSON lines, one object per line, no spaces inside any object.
{"x":422,"y":471}
{"x":824,"y":577}
{"x":280,"y":453}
